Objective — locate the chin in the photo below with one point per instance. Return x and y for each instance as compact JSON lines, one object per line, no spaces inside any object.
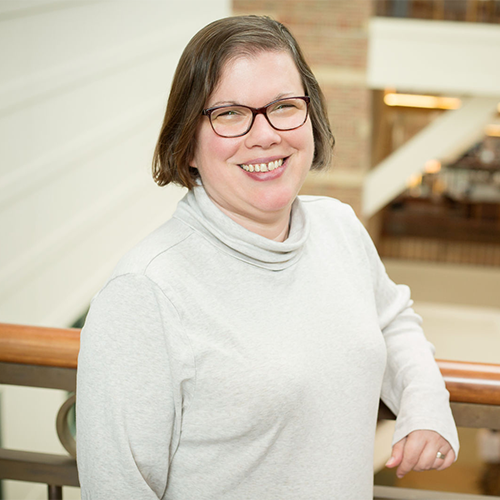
{"x":276,"y":201}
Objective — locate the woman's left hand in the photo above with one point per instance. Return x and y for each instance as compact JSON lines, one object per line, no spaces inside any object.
{"x":419,"y":451}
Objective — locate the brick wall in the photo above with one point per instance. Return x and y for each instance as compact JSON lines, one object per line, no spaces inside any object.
{"x":334,"y":37}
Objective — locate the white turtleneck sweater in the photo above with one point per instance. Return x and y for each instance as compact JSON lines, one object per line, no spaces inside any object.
{"x":216,"y":364}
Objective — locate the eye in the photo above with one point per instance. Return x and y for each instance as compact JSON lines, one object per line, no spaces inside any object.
{"x":229,"y":112}
{"x":284,"y":105}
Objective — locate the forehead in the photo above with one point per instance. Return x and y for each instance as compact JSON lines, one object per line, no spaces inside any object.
{"x":256,"y":79}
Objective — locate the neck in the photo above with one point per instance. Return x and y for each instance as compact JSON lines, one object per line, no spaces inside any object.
{"x":273,"y":227}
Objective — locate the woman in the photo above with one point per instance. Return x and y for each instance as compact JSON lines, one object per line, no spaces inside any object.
{"x":240,"y":351}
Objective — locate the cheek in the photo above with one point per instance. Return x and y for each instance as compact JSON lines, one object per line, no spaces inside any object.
{"x":223,"y":150}
{"x":307,"y":142}
{"x":211,"y":151}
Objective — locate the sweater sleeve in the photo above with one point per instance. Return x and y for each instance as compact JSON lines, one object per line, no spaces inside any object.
{"x":129,"y":392}
{"x":413,"y":387}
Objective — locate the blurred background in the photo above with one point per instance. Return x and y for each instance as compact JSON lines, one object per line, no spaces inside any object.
{"x":413,"y":92}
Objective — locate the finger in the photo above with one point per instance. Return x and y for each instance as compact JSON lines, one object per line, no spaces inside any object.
{"x":411,"y":455}
{"x":450,"y":458}
{"x":397,"y":454}
{"x":428,"y":459}
{"x":444,"y":453}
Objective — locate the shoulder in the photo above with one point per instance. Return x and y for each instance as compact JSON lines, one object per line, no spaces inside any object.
{"x":156,"y":255}
{"x":325,"y":204}
{"x":158,"y":244}
{"x":133,"y":286}
{"x":327,"y":211}
{"x":336,"y":223}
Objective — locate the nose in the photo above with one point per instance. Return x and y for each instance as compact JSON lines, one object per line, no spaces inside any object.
{"x":262,"y":134}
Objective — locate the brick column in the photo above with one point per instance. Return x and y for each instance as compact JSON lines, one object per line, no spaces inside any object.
{"x":334,"y":37}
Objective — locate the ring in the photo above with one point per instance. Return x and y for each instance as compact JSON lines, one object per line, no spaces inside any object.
{"x":440,"y":455}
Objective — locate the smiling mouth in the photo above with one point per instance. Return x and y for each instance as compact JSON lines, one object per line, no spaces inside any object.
{"x":263,"y":167}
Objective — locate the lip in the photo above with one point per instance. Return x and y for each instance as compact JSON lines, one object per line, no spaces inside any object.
{"x":270,"y":175}
{"x":257,"y":161}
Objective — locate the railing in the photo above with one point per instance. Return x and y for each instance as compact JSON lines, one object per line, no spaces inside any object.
{"x":476,"y":11}
{"x":425,"y":249}
{"x":41,"y":357}
{"x":475,"y":402}
{"x":47,"y":357}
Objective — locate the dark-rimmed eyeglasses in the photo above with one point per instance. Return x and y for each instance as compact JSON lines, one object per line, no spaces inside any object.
{"x":235,"y":120}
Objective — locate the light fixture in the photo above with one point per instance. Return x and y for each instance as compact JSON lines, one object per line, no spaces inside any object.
{"x":493,"y":130}
{"x":414,"y":181}
{"x":421,"y":101}
{"x":432,"y":166}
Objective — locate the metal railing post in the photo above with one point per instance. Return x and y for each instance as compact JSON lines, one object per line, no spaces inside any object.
{"x":55,"y":492}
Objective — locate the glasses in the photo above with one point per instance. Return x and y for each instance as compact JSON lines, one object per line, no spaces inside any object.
{"x":235,"y":120}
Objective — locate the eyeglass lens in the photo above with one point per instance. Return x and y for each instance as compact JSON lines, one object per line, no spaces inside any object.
{"x":285,"y":114}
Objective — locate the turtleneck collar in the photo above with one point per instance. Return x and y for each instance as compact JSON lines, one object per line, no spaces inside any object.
{"x":198,"y":211}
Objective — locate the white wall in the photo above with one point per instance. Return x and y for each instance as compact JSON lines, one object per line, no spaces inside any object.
{"x":83,"y":86}
{"x":434,"y":56}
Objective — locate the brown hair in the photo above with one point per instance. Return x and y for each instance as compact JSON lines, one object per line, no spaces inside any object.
{"x":197,"y":76}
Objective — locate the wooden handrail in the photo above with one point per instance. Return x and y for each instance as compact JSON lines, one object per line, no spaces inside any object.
{"x":467,"y":382}
{"x":35,"y":345}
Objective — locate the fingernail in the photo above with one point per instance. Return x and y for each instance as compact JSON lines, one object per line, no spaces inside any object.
{"x":400,"y":475}
{"x":389,"y":462}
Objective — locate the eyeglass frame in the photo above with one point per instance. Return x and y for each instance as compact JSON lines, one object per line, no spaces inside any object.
{"x":257,"y":111}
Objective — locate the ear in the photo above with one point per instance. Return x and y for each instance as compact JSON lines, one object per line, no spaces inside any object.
{"x":193,"y":166}
{"x":193,"y":162}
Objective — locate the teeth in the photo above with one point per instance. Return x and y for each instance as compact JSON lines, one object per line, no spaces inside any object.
{"x":263,"y":167}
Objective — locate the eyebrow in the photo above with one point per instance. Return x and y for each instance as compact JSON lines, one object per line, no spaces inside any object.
{"x":234,"y":103}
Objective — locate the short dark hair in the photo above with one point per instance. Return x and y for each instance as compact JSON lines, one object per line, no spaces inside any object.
{"x":197,"y":76}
